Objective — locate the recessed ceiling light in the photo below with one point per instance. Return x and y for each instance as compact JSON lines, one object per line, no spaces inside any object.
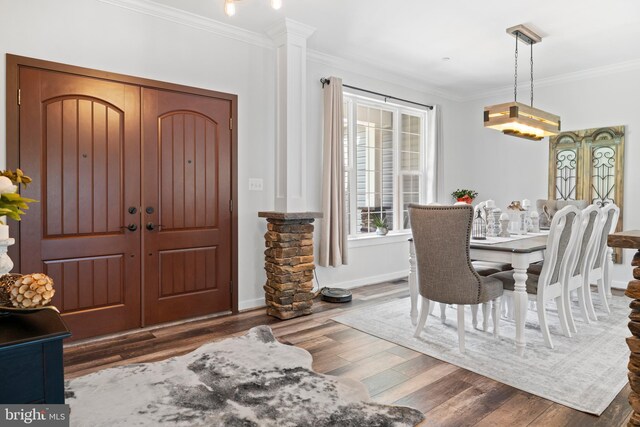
{"x":446,"y":58}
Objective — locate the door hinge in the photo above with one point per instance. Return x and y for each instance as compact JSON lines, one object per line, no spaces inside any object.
{"x":19,"y":95}
{"x":231,"y":123}
{"x":230,"y":205}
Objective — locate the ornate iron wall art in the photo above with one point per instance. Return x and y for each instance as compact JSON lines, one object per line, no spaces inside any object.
{"x":589,"y":165}
{"x":566,"y":174}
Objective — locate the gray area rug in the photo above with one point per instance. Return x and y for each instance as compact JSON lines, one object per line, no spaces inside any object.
{"x":251,"y":380}
{"x":584,"y":372}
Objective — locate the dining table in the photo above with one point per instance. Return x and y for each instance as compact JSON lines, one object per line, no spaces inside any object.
{"x":519,"y":251}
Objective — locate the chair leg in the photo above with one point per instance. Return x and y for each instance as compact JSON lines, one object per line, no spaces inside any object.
{"x":544,"y":327}
{"x":424,"y":312}
{"x":568,"y":313}
{"x":606,"y":274}
{"x":602,"y":293}
{"x":485,"y":316}
{"x":504,"y":307}
{"x":562,"y":317}
{"x":461,"y":327}
{"x":431,"y":307}
{"x":586,"y":290}
{"x":443,"y":312}
{"x":583,"y":305}
{"x":474,"y":315}
{"x":511,"y":314}
{"x":496,"y":316}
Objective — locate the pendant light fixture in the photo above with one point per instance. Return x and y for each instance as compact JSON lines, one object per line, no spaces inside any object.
{"x":230,"y":6}
{"x":515,"y":118}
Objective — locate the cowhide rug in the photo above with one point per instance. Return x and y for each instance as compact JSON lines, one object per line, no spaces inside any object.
{"x":251,"y":380}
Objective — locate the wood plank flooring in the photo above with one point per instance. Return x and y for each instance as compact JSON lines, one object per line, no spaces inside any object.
{"x":447,"y":394}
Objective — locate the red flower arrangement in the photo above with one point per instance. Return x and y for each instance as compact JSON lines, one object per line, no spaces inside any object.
{"x":463,"y":195}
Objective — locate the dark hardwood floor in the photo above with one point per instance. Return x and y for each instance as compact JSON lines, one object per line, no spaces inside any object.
{"x":447,"y":394}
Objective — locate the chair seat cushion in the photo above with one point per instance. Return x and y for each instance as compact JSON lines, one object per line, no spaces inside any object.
{"x":491,"y":289}
{"x":500,"y":266}
{"x":485,"y":271}
{"x":535,"y":269}
{"x":508,"y":282}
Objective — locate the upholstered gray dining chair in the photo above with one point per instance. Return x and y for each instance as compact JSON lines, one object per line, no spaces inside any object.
{"x":441,"y":237}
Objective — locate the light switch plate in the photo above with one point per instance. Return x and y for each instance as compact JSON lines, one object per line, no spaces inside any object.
{"x":255,"y":184}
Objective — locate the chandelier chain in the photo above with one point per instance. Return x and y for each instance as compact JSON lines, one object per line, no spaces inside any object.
{"x":515,"y":77}
{"x":531,"y":74}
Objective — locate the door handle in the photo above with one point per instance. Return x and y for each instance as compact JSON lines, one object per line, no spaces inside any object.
{"x":151,"y":226}
{"x":131,"y":227}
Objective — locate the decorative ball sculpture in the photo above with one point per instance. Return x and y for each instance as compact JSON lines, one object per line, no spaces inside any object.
{"x":6,"y":282}
{"x":32,"y":291}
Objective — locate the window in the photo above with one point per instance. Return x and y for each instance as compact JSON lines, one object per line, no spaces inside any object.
{"x":384,"y":154}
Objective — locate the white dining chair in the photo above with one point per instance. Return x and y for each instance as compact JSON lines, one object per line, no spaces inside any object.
{"x":600,"y":266}
{"x":580,"y":258}
{"x":548,"y":285}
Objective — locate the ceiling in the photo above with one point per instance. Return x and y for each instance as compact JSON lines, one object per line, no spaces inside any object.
{"x":411,"y":37}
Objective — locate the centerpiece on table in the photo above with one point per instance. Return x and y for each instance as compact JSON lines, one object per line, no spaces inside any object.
{"x":18,"y":292}
{"x":464,"y":195}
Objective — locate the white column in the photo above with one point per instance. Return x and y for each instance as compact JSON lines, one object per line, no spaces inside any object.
{"x":290,"y":39}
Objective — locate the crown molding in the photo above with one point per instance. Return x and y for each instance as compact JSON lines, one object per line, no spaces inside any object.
{"x":375,"y":71}
{"x":361,"y":66}
{"x":289,"y":26}
{"x":192,"y":20}
{"x":603,"y":71}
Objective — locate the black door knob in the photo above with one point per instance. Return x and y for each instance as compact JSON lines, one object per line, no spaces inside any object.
{"x":133,"y":210}
{"x":150,"y":226}
{"x":131,"y":227}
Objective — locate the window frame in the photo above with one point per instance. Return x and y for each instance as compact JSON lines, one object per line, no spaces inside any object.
{"x":351,"y":103}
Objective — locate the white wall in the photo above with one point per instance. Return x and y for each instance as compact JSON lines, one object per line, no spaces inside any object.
{"x":98,"y":35}
{"x":505,"y":168}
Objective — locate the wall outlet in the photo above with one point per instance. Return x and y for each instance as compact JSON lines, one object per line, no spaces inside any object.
{"x":255,"y":184}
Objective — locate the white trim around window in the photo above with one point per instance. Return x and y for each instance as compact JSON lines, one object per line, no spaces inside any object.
{"x":367,"y":182}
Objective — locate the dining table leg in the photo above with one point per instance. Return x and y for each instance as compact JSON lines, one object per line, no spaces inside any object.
{"x":413,"y":283}
{"x":520,"y":301}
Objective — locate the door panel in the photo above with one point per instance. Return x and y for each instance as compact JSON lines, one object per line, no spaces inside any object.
{"x":83,"y":134}
{"x":187,"y":186}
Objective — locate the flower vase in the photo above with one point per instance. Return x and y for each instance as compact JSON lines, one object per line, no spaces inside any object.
{"x":5,"y":241}
{"x":382,"y":231}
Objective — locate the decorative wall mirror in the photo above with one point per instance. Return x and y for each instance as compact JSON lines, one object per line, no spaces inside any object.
{"x":589,"y":165}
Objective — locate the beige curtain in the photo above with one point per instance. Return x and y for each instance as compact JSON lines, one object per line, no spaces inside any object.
{"x":333,"y":237}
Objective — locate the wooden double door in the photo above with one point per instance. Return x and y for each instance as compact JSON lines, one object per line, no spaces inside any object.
{"x":134,"y":188}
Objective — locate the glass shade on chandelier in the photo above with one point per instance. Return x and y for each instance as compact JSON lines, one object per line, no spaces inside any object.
{"x":230,"y":6}
{"x":517,"y":119}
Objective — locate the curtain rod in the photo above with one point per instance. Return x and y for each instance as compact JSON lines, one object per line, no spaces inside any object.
{"x":325,"y":81}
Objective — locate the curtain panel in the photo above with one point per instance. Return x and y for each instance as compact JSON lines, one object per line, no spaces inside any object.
{"x":333,"y":236}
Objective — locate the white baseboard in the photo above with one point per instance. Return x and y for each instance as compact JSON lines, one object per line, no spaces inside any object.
{"x":618,"y":284}
{"x":370,"y":280}
{"x":250,"y":304}
{"x":349,"y":284}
